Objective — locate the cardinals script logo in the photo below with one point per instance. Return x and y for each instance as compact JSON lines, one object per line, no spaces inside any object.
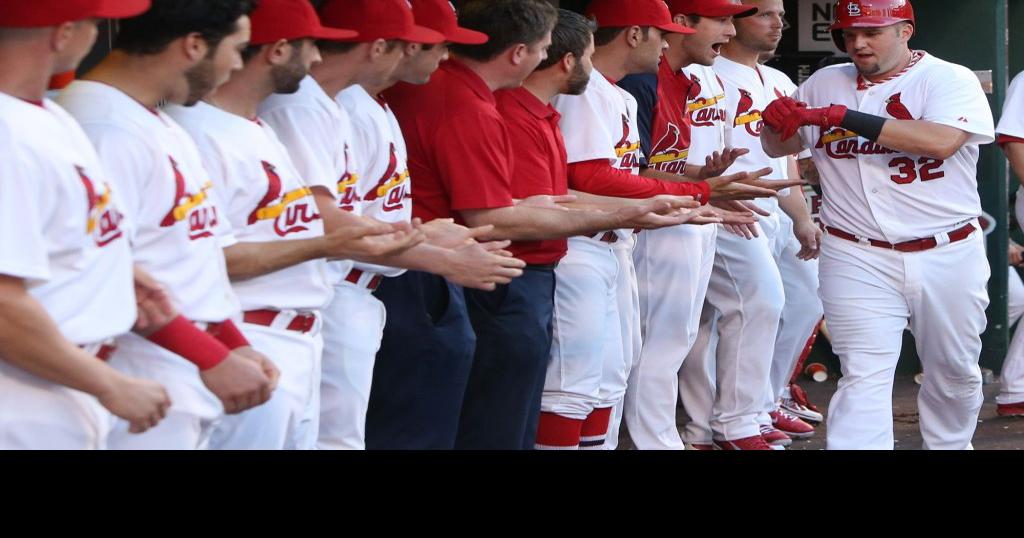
{"x":626,"y":150}
{"x":288,"y":215}
{"x":104,"y":221}
{"x":669,"y":153}
{"x":393,"y":187}
{"x":202,"y":219}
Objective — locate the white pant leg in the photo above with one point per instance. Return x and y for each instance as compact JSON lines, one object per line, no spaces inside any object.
{"x":801,"y":313}
{"x":746,"y":288}
{"x":36,"y":414}
{"x":1011,"y":379}
{"x":353,"y":328}
{"x":673,"y":266}
{"x":194,"y":409}
{"x":947,"y":322}
{"x":866,"y":311}
{"x":585,"y":329}
{"x":283,"y":422}
{"x":697,"y":379}
{"x":616,"y":376}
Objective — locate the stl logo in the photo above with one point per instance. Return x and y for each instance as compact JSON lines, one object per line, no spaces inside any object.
{"x":853,"y":10}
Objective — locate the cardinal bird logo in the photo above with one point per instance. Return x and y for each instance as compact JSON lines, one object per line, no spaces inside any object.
{"x":695,"y":88}
{"x":746,"y":115}
{"x":273,"y":191}
{"x":745,"y":104}
{"x":179,"y":195}
{"x":623,"y":147}
{"x":390,"y":186}
{"x":896,"y":108}
{"x":670,"y":151}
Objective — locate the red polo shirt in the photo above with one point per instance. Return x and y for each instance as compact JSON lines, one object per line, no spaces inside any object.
{"x":459,"y":148}
{"x":538,"y":165}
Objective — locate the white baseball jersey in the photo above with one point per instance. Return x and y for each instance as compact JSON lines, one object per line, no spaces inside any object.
{"x":318,"y":135}
{"x":264,"y":199}
{"x":168,"y":197}
{"x":1012,"y":121}
{"x":601,"y":124}
{"x":709,"y":131}
{"x":880,"y":193}
{"x":747,"y":93}
{"x":61,"y":226}
{"x":381,"y":163}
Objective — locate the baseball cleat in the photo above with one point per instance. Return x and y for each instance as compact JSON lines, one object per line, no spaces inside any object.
{"x":1011,"y":409}
{"x":775,"y":437}
{"x":747,"y":443}
{"x":790,"y":425}
{"x":798,"y":410}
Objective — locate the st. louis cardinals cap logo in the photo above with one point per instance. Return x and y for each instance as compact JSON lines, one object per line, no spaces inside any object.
{"x":853,"y":9}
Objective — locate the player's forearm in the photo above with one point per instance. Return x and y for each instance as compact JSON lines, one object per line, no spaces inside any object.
{"x":601,"y":179}
{"x":1015,"y":154}
{"x":423,"y":257}
{"x":918,"y":137}
{"x":250,"y":260}
{"x":30,"y":340}
{"x":665,"y":176}
{"x":525,"y":223}
{"x":774,"y":146}
{"x":795,"y":205}
{"x":594,"y":202}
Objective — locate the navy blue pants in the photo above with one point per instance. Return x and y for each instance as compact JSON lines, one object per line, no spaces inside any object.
{"x":513,"y":346}
{"x":423,"y":365}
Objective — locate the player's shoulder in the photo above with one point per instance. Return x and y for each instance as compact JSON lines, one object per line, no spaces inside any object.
{"x":832,"y":74}
{"x":933,"y":67}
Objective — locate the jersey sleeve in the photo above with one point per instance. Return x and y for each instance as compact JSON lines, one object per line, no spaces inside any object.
{"x":22,"y":218}
{"x":1012,"y":121}
{"x":643,"y":88}
{"x":957,"y":100}
{"x":474,"y":163}
{"x":312,"y":147}
{"x":586,"y":137}
{"x":130,"y":167}
{"x":228,"y":192}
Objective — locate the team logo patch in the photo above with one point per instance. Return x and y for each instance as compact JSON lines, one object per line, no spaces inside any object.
{"x":853,"y":9}
{"x":103,"y":222}
{"x":393,"y":186}
{"x":202,"y":219}
{"x":895,"y":107}
{"x":625,"y":150}
{"x":288,"y":215}
{"x":747,"y":116}
{"x":347,"y":195}
{"x":669,"y":154}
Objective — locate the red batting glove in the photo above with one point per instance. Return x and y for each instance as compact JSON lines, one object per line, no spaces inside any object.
{"x":779,"y":111}
{"x":824,"y":117}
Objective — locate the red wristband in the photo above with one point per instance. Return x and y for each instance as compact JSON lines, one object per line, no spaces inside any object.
{"x":228,"y":334}
{"x":182,"y":337}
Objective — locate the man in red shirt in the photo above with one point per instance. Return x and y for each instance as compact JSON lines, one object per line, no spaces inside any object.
{"x":460,"y":156}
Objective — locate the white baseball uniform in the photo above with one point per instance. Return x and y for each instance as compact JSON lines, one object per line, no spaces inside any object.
{"x":872,"y":294}
{"x":318,"y":133}
{"x":672,"y":263}
{"x":595,"y":328}
{"x":1011,"y":379}
{"x":63,"y":233}
{"x":176,"y":237}
{"x":357,"y":318}
{"x":265,"y":200}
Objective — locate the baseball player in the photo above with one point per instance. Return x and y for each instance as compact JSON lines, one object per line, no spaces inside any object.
{"x":277,"y":266}
{"x":895,"y":137}
{"x":668,"y":138}
{"x":66,"y":275}
{"x":314,"y":116}
{"x":176,"y":223}
{"x":790,"y":235}
{"x":1010,"y":131}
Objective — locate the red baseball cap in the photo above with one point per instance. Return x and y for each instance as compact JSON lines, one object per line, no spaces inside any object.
{"x":710,"y":8}
{"x":42,"y":13}
{"x":440,"y":15}
{"x":274,"y":20}
{"x":622,"y":13}
{"x":377,"y":19}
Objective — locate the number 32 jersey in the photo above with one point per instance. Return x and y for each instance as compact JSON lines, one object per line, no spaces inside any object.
{"x":876,"y":192}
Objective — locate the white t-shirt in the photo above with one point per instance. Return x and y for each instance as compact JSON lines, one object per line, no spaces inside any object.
{"x":61,"y":224}
{"x":264,"y":199}
{"x":381,"y":163}
{"x":709,"y":131}
{"x":601,"y":123}
{"x":880,"y":193}
{"x":748,"y":91}
{"x":168,"y":197}
{"x":318,"y":135}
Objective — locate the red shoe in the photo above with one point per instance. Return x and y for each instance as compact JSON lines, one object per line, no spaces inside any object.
{"x":1010,"y":410}
{"x":747,"y":443}
{"x":791,"y":425}
{"x":774,"y":437}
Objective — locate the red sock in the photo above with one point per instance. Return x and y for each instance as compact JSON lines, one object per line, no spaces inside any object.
{"x":595,"y":429}
{"x":555,"y":432}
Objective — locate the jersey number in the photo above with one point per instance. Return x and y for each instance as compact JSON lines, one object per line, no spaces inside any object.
{"x":907,"y":170}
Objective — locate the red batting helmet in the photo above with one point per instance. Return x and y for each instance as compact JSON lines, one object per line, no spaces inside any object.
{"x":868,"y":14}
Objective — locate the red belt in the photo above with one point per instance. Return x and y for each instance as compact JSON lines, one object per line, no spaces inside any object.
{"x":607,"y":237}
{"x":914,"y":245}
{"x":356,"y":274}
{"x":302,"y":323}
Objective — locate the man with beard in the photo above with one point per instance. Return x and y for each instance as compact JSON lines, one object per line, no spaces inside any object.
{"x":277,"y":266}
{"x":675,"y":262}
{"x":894,"y":135}
{"x":179,"y":51}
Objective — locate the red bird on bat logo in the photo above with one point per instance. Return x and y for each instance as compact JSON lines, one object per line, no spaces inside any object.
{"x":392,"y":186}
{"x":104,"y":221}
{"x":746,"y":115}
{"x":745,"y":104}
{"x":695,"y":88}
{"x":896,"y":108}
{"x":624,"y":141}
